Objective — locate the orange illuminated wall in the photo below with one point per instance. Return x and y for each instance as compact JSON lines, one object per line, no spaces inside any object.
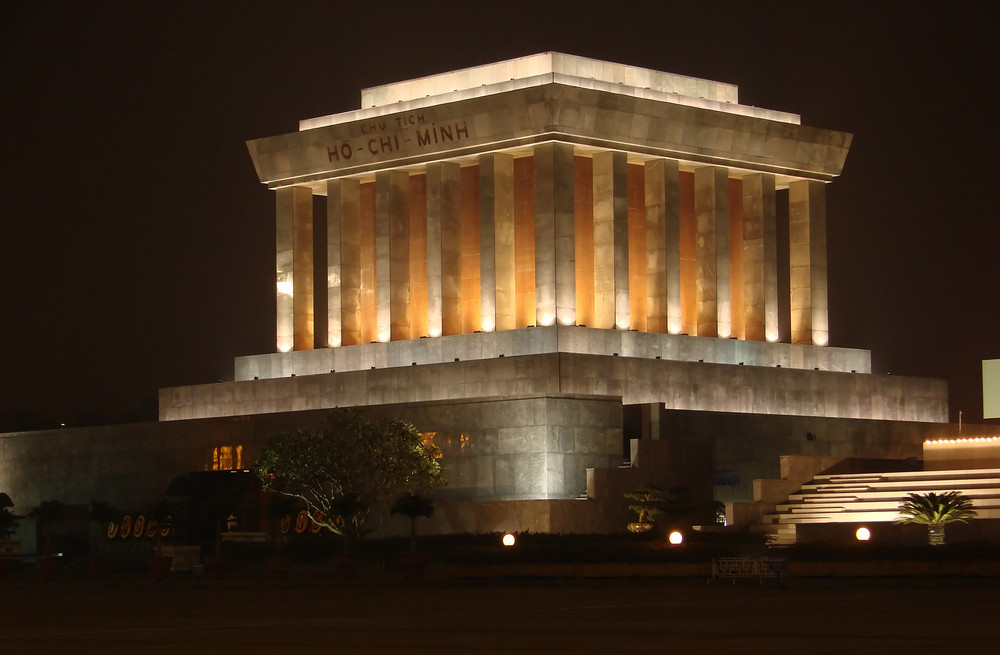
{"x":689,"y":299}
{"x":369,"y":327}
{"x":469,"y":201}
{"x":583,"y":216}
{"x":524,"y":252}
{"x":637,"y":247}
{"x":736,"y":258}
{"x":418,"y":256}
{"x":524,"y":241}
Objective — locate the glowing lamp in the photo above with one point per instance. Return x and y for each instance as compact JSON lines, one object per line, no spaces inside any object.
{"x":508,"y":540}
{"x":675,"y":538}
{"x":863,"y":534}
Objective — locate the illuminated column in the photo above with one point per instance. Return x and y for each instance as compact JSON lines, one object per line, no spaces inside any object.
{"x":343,"y":256}
{"x":444,"y":250}
{"x":417,"y":205}
{"x":760,"y":258}
{"x":611,"y":301}
{"x":663,"y":254}
{"x":294,"y":264}
{"x":637,"y":259}
{"x":555,"y":249}
{"x":392,"y":255}
{"x":496,"y":239}
{"x":807,"y":260}
{"x":365,"y":235}
{"x":524,"y":240}
{"x":711,"y":206}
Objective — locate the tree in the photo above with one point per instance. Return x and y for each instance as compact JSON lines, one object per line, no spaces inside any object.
{"x":8,"y":519}
{"x":650,"y":502}
{"x":47,"y":513}
{"x":413,"y":506}
{"x":935,"y":511}
{"x":347,"y":470}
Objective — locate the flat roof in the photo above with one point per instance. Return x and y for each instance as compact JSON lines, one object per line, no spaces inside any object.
{"x":548,"y":68}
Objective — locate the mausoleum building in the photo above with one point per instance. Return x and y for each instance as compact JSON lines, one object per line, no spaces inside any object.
{"x":539,"y":260}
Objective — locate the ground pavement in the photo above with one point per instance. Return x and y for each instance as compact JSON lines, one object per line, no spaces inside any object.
{"x":315,"y":612}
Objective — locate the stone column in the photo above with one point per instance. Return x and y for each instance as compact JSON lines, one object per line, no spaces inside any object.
{"x":663,"y":254}
{"x":496,"y":237}
{"x":444,"y":250}
{"x":343,"y":258}
{"x":760,"y":258}
{"x":294,"y":264}
{"x":555,"y":250}
{"x":392,"y":255}
{"x":611,"y":300}
{"x":711,"y":206}
{"x":807,"y":261}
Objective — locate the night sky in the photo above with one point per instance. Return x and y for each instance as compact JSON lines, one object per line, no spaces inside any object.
{"x":137,"y":244}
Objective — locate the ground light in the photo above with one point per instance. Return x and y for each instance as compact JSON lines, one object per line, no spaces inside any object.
{"x":508,"y":539}
{"x":676,"y":538}
{"x":863,"y":534}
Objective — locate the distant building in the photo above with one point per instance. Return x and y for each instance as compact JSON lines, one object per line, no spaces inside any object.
{"x":991,"y":388}
{"x":537,"y":261}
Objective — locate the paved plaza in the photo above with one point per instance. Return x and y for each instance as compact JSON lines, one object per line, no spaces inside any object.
{"x":315,"y":613}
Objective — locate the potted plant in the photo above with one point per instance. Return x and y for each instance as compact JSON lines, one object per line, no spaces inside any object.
{"x":414,"y":506}
{"x":46,"y":513}
{"x":935,"y":511}
{"x":159,"y":517}
{"x":649,"y":502}
{"x":646,"y":502}
{"x":279,"y":509}
{"x":101,"y":563}
{"x":8,"y":525}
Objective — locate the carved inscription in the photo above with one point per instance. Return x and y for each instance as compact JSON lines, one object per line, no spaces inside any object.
{"x":396,"y":134}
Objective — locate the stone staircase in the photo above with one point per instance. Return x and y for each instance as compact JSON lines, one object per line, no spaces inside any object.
{"x":874,"y":498}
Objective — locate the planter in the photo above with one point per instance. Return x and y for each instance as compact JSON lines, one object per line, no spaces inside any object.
{"x":10,"y":548}
{"x":279,"y":567}
{"x":101,"y":566}
{"x":217,"y":567}
{"x":159,"y":566}
{"x":412,"y":565}
{"x":186,"y":558}
{"x":47,"y":567}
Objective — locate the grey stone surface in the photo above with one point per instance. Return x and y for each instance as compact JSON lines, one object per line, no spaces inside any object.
{"x":493,"y":449}
{"x":732,"y":376}
{"x":539,"y":340}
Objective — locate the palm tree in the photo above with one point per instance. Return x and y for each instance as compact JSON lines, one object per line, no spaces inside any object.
{"x":935,"y":511}
{"x":413,"y":506}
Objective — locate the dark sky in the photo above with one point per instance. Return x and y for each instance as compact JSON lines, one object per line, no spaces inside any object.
{"x":136,"y":248}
